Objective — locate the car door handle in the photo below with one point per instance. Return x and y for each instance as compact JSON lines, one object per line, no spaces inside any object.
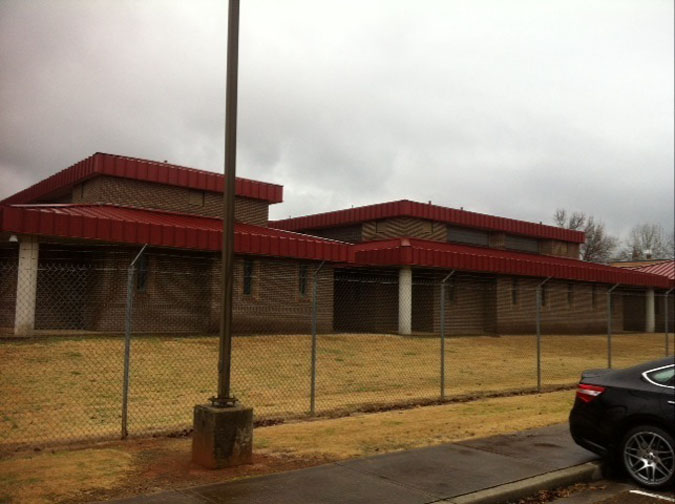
{"x":671,"y":402}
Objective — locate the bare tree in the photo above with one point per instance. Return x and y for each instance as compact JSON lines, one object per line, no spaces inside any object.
{"x":599,"y":246}
{"x":647,"y":241}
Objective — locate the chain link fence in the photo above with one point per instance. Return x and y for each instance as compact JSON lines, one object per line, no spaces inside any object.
{"x":117,"y":343}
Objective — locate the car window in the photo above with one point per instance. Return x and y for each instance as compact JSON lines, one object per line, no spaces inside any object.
{"x":662,"y":376}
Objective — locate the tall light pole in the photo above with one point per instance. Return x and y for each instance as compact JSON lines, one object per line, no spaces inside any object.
{"x":224,"y":397}
{"x":223,"y":430}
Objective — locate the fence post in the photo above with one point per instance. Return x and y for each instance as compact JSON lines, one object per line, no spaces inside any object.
{"x":315,"y":308}
{"x":442,"y":330}
{"x":127,"y":340}
{"x":609,"y":325}
{"x":538,"y":325}
{"x":665,"y":320}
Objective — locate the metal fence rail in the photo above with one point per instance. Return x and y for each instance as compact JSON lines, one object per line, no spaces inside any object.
{"x":128,"y":342}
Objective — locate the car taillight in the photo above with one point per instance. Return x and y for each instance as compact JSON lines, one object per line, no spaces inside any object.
{"x":588,"y":392}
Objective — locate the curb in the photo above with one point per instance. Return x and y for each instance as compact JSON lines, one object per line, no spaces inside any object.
{"x":590,"y":471}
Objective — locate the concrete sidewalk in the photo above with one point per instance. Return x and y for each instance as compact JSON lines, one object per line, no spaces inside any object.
{"x":484,"y":470}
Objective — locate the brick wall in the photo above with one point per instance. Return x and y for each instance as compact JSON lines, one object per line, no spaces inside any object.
{"x":366,"y":301}
{"x":275,"y":304}
{"x":87,"y":291}
{"x":469,"y":305}
{"x":404,"y":226}
{"x":559,"y":248}
{"x":562,"y":313}
{"x":104,"y":189}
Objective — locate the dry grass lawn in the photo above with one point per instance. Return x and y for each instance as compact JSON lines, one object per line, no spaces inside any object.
{"x":64,"y":389}
{"x":134,"y":467}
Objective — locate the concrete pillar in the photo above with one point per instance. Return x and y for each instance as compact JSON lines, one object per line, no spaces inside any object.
{"x":649,"y":311}
{"x":26,"y":286}
{"x":405,"y":300}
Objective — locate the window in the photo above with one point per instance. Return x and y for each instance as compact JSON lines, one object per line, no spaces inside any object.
{"x":248,"y":277}
{"x":521,"y":243}
{"x":663,"y":377}
{"x":302,"y":280}
{"x":544,"y":294}
{"x":570,"y":293}
{"x":468,"y":236}
{"x":196,"y":198}
{"x":142,"y":274}
{"x":452,"y":290}
{"x":514,"y":291}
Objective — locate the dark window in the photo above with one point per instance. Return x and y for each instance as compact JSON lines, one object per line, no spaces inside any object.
{"x":594,"y":296}
{"x":142,"y":273}
{"x":514,"y":291}
{"x":663,"y":376}
{"x":196,"y":198}
{"x":248,"y":277}
{"x":468,"y":236}
{"x":570,"y":293}
{"x":544,"y":294}
{"x":302,"y":277}
{"x":521,"y":243}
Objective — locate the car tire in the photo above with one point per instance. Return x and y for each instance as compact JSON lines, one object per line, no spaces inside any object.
{"x":648,"y":456}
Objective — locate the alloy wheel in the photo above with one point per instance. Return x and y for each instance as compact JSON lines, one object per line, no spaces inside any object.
{"x":649,"y":458}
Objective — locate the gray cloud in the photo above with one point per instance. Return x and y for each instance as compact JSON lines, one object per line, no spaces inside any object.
{"x":512,"y":108}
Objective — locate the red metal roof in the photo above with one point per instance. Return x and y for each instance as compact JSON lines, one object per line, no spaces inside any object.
{"x":118,"y":224}
{"x":406,"y":208}
{"x":665,"y":268}
{"x":415,"y":252}
{"x":141,"y":169}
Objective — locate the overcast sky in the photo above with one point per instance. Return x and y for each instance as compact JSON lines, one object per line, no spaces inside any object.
{"x":512,"y":107}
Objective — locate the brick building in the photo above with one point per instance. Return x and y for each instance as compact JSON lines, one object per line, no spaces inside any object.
{"x":496,"y":265}
{"x":381,"y":264}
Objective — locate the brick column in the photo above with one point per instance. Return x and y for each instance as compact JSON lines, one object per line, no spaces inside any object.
{"x":649,"y":311}
{"x":26,"y":286}
{"x":405,"y":300}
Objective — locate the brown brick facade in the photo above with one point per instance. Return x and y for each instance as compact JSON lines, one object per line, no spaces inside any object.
{"x":474,"y":305}
{"x":275,"y":304}
{"x":137,"y":193}
{"x":86,"y":290}
{"x":568,"y":307}
{"x":404,"y":227}
{"x":559,"y":248}
{"x":366,"y":302}
{"x":408,"y":227}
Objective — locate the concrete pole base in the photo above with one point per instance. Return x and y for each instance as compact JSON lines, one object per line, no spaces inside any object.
{"x":222,"y":437}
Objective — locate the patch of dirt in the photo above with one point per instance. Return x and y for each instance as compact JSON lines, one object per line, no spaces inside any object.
{"x":545,"y":496}
{"x":160,"y":468}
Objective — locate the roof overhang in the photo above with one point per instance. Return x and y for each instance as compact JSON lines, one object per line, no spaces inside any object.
{"x":143,"y":170}
{"x":128,"y":225}
{"x":406,"y":208}
{"x":115,"y":224}
{"x":430,"y":254}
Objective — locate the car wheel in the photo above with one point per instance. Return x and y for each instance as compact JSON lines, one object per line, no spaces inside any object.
{"x":648,"y":455}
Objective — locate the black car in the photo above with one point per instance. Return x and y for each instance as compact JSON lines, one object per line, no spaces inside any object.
{"x":628,"y":416}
